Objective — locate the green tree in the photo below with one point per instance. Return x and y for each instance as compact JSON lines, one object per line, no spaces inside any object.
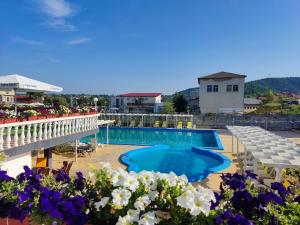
{"x":168,"y":108}
{"x":180,"y":103}
{"x":55,"y":100}
{"x":36,"y":96}
{"x":270,"y":96}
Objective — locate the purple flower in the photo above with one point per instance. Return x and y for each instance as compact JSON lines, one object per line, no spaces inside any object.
{"x":265,"y":198}
{"x":4,"y":176}
{"x":79,"y":181}
{"x":243,"y":200}
{"x":280,"y":188}
{"x":62,"y":176}
{"x":239,"y":220}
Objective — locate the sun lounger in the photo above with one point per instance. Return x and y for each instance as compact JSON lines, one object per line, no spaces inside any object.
{"x":140,"y":123}
{"x":179,"y":125}
{"x":41,"y":163}
{"x":189,"y":125}
{"x":156,"y":124}
{"x":132,"y":123}
{"x":164,"y":124}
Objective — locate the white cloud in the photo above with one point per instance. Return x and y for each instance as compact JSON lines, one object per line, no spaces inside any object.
{"x":60,"y":24}
{"x":56,"y":8}
{"x":79,"y":41}
{"x":26,"y":41}
{"x":57,"y":12}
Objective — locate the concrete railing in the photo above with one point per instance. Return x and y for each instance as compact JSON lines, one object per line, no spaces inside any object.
{"x":23,"y":133}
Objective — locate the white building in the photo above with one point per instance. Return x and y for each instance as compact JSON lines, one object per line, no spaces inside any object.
{"x":136,"y":102}
{"x":221,"y":92}
{"x":7,"y":96}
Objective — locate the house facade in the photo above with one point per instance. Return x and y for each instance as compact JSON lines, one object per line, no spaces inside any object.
{"x":221,"y":92}
{"x":251,"y":104}
{"x":7,"y":96}
{"x":136,"y":103}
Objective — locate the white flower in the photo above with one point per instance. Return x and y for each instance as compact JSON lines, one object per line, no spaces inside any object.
{"x":201,"y":205}
{"x":153,"y":195}
{"x":196,"y":200}
{"x":186,"y":200}
{"x":123,"y":221}
{"x":120,"y":197}
{"x":142,"y":202}
{"x":209,"y":194}
{"x":148,"y":218}
{"x":118,"y":177}
{"x":148,"y":179}
{"x":106,"y":167}
{"x":131,"y":182}
{"x":133,"y":215}
{"x":101,"y":203}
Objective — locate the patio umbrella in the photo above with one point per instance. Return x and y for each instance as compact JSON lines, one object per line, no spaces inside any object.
{"x":24,"y":84}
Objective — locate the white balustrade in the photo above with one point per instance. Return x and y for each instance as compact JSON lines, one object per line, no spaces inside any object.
{"x":26,"y":132}
{"x":34,"y":134}
{"x":1,"y":138}
{"x":28,"y":136}
{"x":45,"y":131}
{"x":22,"y":134}
{"x":8,"y":138}
{"x":16,"y":136}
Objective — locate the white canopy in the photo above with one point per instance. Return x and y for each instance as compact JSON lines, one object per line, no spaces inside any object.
{"x":25,"y":84}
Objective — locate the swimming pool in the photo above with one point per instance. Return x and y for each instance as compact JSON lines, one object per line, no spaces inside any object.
{"x":183,"y":151}
{"x":179,"y":138}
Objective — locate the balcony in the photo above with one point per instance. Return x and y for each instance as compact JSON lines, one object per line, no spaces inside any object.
{"x":20,"y":137}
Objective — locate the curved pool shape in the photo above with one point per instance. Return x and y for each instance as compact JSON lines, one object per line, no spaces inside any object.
{"x":195,"y":163}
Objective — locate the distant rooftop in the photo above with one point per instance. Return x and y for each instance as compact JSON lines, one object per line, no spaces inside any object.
{"x":252,"y":101}
{"x":141,"y":95}
{"x":222,"y":75}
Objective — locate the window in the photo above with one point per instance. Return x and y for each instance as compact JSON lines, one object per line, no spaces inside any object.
{"x":229,"y":88}
{"x":216,"y":88}
{"x":209,"y":88}
{"x":235,"y":88}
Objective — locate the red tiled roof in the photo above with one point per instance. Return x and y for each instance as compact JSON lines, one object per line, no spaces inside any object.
{"x":141,"y":95}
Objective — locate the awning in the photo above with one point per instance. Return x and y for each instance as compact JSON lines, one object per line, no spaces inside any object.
{"x":25,"y":84}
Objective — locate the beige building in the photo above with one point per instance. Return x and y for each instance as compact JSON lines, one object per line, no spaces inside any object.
{"x":7,"y":96}
{"x":221,"y":92}
{"x":137,"y":102}
{"x":251,"y":104}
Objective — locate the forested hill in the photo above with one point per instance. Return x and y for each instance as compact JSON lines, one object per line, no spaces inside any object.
{"x":260,"y":87}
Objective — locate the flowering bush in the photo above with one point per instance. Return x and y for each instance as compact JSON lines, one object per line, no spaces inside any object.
{"x":30,"y":112}
{"x":63,"y":110}
{"x":244,"y":199}
{"x":7,"y":113}
{"x":117,"y":197}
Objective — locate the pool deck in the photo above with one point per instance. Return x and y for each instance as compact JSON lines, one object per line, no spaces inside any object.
{"x":111,"y":153}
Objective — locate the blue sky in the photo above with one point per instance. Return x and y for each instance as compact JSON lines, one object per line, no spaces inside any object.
{"x":116,"y":46}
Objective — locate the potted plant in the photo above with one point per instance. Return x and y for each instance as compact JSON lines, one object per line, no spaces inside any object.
{"x":63,"y":111}
{"x":31,"y":114}
{"x":74,"y":112}
{"x":85,"y":111}
{"x":11,"y":117}
{"x":51,"y":113}
{"x":3,"y":115}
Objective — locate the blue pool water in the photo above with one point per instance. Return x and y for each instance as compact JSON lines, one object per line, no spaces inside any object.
{"x":182,"y":151}
{"x":183,"y":138}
